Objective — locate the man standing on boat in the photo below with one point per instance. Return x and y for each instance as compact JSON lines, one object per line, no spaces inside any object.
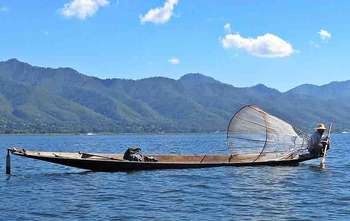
{"x":317,"y":142}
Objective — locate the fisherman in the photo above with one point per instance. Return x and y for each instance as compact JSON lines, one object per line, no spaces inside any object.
{"x":318,"y":142}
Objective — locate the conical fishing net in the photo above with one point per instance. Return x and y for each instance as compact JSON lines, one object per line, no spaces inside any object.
{"x":252,"y":130}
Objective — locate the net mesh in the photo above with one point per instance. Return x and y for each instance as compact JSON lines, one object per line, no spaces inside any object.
{"x":252,"y":130}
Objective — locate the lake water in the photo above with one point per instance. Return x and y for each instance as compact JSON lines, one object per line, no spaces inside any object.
{"x":43,"y":191}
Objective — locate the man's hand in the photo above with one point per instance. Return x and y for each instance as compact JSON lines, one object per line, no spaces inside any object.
{"x":327,"y":142}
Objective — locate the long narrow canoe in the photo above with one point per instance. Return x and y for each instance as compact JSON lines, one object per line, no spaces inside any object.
{"x":115,"y":162}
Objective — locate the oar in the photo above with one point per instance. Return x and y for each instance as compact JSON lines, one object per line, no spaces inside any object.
{"x":323,"y":159}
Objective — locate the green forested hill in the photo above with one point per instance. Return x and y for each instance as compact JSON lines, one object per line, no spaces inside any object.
{"x":45,"y":100}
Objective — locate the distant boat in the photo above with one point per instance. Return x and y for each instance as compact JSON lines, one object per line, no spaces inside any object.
{"x":90,"y":134}
{"x":345,"y":132}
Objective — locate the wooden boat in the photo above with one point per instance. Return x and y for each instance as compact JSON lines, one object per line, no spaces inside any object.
{"x":254,"y":138}
{"x":115,"y":162}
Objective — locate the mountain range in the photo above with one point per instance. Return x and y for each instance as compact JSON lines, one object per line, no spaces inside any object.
{"x":62,"y":100}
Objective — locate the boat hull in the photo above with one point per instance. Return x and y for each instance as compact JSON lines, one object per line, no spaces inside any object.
{"x":118,"y":165}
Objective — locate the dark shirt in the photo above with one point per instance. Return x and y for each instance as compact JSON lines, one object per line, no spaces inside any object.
{"x":315,"y":144}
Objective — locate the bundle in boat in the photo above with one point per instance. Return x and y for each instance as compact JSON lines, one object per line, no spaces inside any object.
{"x":252,"y":130}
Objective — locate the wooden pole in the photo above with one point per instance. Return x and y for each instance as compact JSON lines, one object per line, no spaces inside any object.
{"x":8,"y":162}
{"x":87,"y":155}
{"x":323,"y":159}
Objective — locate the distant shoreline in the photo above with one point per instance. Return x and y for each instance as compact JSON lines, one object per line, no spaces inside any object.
{"x":108,"y":133}
{"x":136,"y":133}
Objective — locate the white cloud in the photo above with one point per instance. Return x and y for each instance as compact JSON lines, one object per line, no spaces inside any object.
{"x":227,"y":28}
{"x":324,"y":35}
{"x":174,"y":61}
{"x":267,"y":45}
{"x":82,"y":8}
{"x":160,"y":15}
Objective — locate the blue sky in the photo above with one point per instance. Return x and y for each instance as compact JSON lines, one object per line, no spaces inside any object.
{"x":278,"y":43}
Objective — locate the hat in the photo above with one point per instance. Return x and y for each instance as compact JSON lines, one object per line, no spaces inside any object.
{"x":320,"y":126}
